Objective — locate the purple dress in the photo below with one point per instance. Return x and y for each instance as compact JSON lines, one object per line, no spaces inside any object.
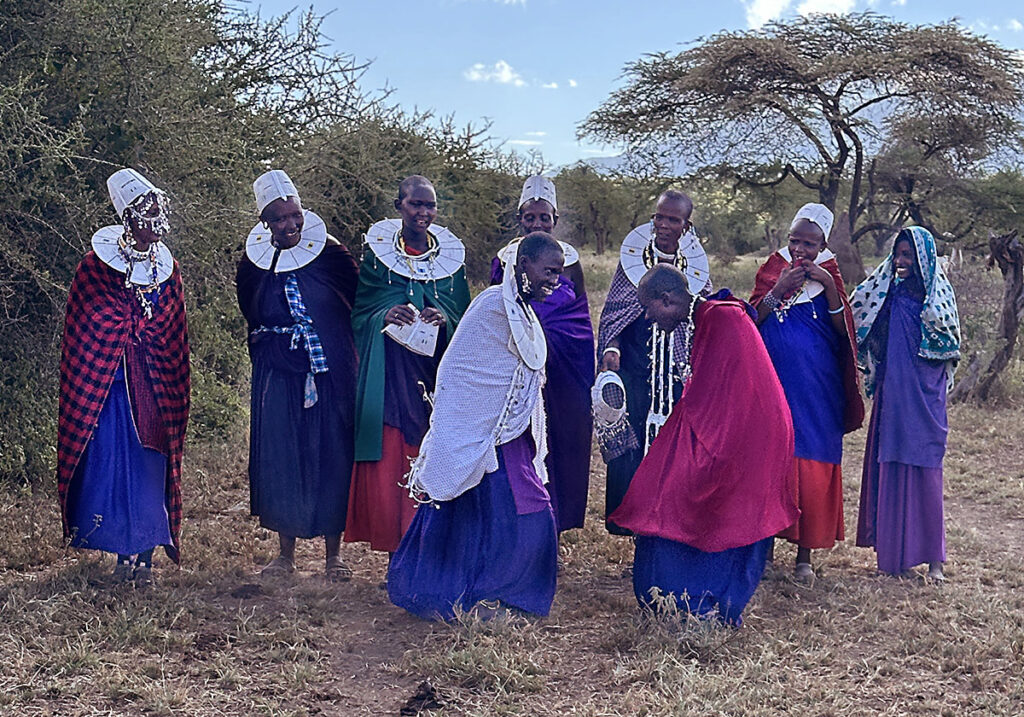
{"x":565,"y":317}
{"x":901,"y":509}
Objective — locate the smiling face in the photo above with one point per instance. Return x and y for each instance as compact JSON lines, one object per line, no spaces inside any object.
{"x":806,"y":240}
{"x":542,"y":273}
{"x":418,"y":209}
{"x":904,"y":258}
{"x":537,"y":215}
{"x":671,"y":220}
{"x":285,"y":219}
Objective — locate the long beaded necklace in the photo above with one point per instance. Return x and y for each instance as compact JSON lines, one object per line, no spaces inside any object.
{"x":663,"y":375}
{"x":143,"y":294}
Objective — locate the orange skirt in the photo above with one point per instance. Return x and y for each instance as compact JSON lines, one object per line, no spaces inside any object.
{"x":818,"y":490}
{"x":379,"y":508}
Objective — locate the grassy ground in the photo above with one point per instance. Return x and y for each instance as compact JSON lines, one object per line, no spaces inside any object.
{"x":214,"y":640}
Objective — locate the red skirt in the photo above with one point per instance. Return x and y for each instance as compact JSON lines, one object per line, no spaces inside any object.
{"x":819,"y":494}
{"x":379,"y":508}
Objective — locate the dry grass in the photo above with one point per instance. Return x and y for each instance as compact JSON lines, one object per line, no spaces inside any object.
{"x":213,"y":640}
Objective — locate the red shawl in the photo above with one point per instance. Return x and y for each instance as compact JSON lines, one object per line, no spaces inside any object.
{"x":718,"y":474}
{"x":766,"y":278}
{"x":102,"y":317}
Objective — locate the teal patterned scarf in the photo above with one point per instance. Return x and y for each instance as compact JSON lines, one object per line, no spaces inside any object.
{"x":940,"y":322}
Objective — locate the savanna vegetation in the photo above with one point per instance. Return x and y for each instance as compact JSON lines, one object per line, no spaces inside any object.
{"x":202,"y":97}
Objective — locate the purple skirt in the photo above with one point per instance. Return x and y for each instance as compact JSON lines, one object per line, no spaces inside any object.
{"x":901,"y":510}
{"x":478,"y":547}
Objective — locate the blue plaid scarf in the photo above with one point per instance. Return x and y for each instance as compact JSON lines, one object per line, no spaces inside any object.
{"x":302,"y":330}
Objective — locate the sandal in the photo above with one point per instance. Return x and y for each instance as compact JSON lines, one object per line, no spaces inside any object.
{"x":803,"y":571}
{"x":278,"y":568}
{"x":122,"y":573}
{"x":143,"y":577}
{"x":336,"y":570}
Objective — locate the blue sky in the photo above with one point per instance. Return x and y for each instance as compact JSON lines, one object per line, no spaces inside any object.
{"x":535,"y":68}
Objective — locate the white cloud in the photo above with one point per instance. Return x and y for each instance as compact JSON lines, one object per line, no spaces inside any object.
{"x":525,"y":142}
{"x":550,"y":85}
{"x":833,"y":7}
{"x":593,"y":151}
{"x":899,"y":3}
{"x":761,"y":11}
{"x":573,"y":83}
{"x":536,"y":134}
{"x":1015,"y":25}
{"x":500,"y":72}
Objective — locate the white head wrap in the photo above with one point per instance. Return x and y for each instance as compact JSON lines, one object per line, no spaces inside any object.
{"x":125,"y":186}
{"x":272,"y":185}
{"x":538,"y":187}
{"x":817,"y":214}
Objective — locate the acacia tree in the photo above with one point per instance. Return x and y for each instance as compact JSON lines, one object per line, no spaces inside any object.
{"x":818,"y":97}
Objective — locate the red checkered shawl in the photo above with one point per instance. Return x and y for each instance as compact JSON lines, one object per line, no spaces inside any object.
{"x":102,"y":317}
{"x":765,"y":280}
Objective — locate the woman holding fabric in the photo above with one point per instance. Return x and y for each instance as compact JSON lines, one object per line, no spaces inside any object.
{"x":908,"y":338}
{"x":412,"y":293}
{"x":485,"y":538}
{"x":296,"y":285}
{"x":124,"y":387}
{"x":565,"y":317}
{"x":805,"y":322}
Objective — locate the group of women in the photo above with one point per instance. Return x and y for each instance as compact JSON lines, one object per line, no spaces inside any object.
{"x":350,"y":359}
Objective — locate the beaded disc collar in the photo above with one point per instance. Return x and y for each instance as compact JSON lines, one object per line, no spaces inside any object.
{"x":440,"y":263}
{"x":694,"y":259}
{"x":260,"y":250}
{"x":105,"y":244}
{"x":571,"y":254}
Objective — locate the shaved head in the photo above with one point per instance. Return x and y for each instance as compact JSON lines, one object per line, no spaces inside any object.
{"x":413,"y":180}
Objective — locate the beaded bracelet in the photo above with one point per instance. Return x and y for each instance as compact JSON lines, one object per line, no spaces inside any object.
{"x":771,"y":301}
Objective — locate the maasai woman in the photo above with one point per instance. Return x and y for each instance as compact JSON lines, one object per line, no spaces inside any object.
{"x":570,"y":368}
{"x":908,"y":339}
{"x":412,"y":275}
{"x":808,"y":331}
{"x":124,"y":387}
{"x":296,"y":285}
{"x":631,"y":345}
{"x":489,"y":542}
{"x":714,"y":486}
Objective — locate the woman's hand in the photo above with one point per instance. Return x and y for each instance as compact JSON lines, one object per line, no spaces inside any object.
{"x":790,"y":279}
{"x":400,"y":315}
{"x":430,"y":315}
{"x":610,"y":360}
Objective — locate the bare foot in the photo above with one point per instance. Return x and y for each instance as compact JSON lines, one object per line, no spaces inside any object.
{"x":935,"y":572}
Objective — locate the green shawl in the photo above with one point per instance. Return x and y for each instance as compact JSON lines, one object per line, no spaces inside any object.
{"x":379,"y":290}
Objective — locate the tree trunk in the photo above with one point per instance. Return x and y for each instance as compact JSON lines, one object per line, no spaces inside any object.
{"x":987,"y":364}
{"x":851,"y":266}
{"x":772,"y":238}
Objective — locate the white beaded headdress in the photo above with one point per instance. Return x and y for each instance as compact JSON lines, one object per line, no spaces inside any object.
{"x":272,"y":185}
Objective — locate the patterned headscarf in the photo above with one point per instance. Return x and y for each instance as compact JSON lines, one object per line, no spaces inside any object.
{"x":940,"y":322}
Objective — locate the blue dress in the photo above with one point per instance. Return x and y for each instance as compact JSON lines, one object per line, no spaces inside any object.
{"x":116,"y":501}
